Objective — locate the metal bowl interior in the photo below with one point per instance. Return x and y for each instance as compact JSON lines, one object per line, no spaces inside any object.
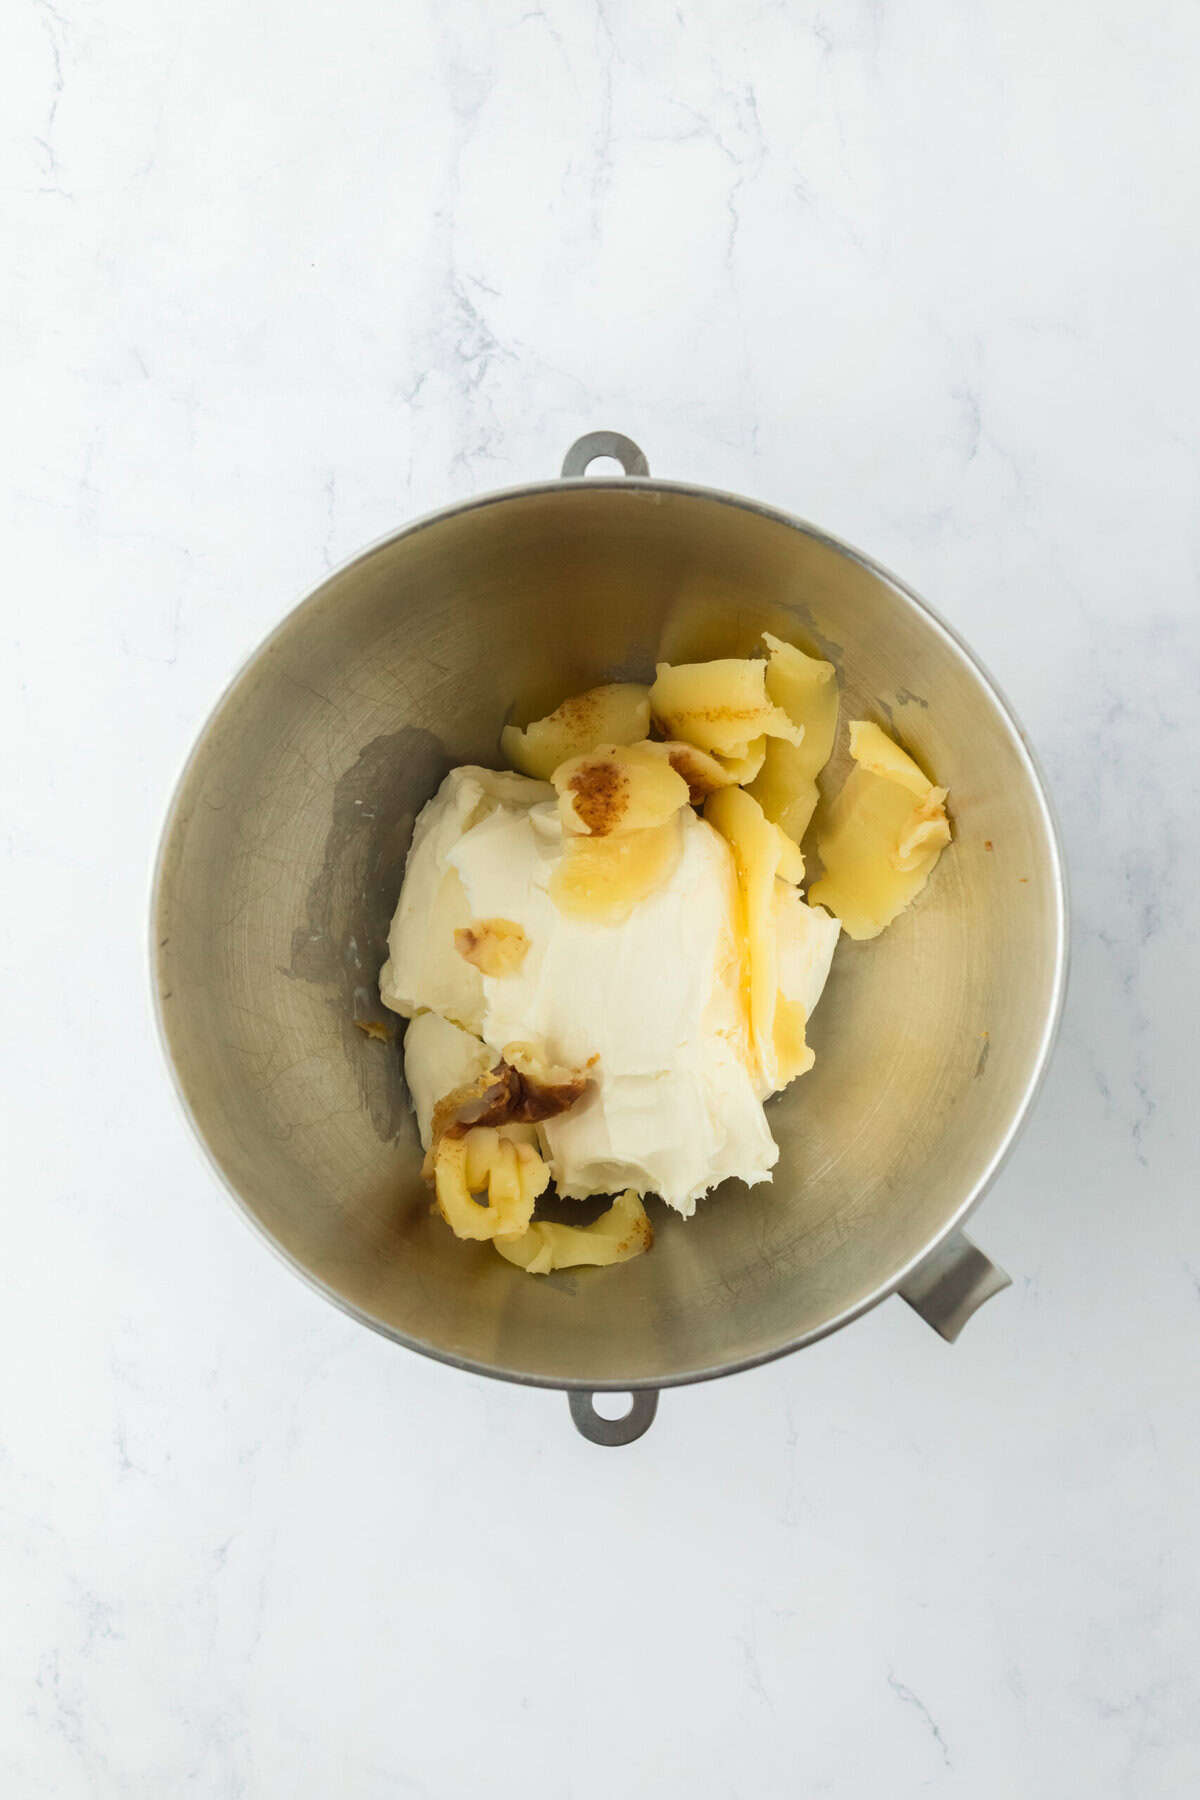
{"x":283,"y":857}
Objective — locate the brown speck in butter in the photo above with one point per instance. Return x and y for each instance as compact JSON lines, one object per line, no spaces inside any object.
{"x":601,"y":796}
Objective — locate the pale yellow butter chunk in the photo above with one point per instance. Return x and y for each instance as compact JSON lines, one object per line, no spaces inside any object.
{"x":487,"y":1161}
{"x":743,"y":768}
{"x":873,"y":750}
{"x":721,"y":706}
{"x":618,"y":713}
{"x":880,"y":837}
{"x":763,"y":855}
{"x":703,"y":773}
{"x":928,"y":830}
{"x":618,"y":787}
{"x":791,"y":859}
{"x":616,"y":1236}
{"x":603,"y":878}
{"x":619,"y":806}
{"x":806,"y":689}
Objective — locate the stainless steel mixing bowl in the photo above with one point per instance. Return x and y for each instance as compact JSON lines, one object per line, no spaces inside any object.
{"x":283,"y":855}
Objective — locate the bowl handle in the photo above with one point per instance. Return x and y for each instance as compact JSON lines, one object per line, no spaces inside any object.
{"x":951,"y":1284}
{"x":945,"y":1289}
{"x":599,"y":1430}
{"x":586,"y":449}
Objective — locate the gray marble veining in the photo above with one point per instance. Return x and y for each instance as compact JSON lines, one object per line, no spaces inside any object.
{"x":277,"y":278}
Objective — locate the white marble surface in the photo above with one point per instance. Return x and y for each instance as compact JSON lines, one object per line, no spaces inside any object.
{"x":277,"y":277}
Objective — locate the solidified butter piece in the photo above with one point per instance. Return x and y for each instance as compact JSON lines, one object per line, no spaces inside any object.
{"x":703,"y":773}
{"x":618,"y":713}
{"x":791,"y":859}
{"x":484,"y":1159}
{"x":927,"y":830}
{"x":621,"y":831}
{"x":616,"y":1236}
{"x":873,"y":750}
{"x":719,"y":706}
{"x":880,"y":837}
{"x":603,"y":878}
{"x":806,"y":689}
{"x":743,"y":769}
{"x":763,"y":855}
{"x":617,"y":788}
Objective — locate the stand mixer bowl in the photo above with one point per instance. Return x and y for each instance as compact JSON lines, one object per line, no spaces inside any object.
{"x":283,"y":856}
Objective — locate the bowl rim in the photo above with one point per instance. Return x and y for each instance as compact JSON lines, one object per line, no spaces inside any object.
{"x":1049,"y":1026}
